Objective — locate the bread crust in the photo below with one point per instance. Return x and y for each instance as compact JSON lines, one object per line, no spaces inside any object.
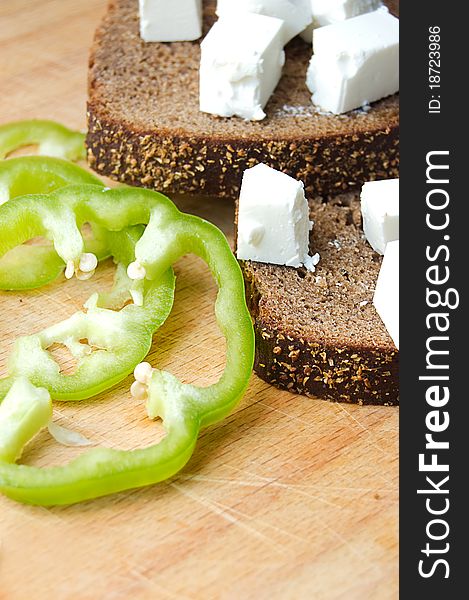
{"x":208,"y":154}
{"x":354,"y":375}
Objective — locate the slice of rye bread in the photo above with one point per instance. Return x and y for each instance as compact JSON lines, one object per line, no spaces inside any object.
{"x":318,"y":333}
{"x":145,"y":127}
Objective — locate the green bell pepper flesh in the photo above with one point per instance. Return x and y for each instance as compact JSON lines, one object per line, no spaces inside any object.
{"x":31,"y":266}
{"x":120,"y":338}
{"x":106,"y":344}
{"x":26,"y":266}
{"x":52,"y":139}
{"x":39,"y":175}
{"x":184,"y":408}
{"x":103,"y":471}
{"x":24,"y":411}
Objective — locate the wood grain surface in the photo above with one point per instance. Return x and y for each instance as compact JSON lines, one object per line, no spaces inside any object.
{"x":289,"y":498}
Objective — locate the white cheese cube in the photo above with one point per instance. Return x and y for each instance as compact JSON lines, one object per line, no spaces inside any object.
{"x":380,"y":212}
{"x":273,"y":219}
{"x":241,"y":63}
{"x":295,"y":13}
{"x":175,"y":21}
{"x":386,"y":298}
{"x":325,"y":12}
{"x":355,"y":62}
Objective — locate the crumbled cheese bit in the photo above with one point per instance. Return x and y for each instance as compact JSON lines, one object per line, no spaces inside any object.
{"x":311,"y":262}
{"x":295,"y":111}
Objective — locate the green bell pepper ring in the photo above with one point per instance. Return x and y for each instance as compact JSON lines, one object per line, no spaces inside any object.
{"x":103,"y":471}
{"x":24,"y":411}
{"x":106,"y":344}
{"x":39,"y":175}
{"x":184,"y":408}
{"x":120,"y":339}
{"x":30,"y":266}
{"x":52,"y":138}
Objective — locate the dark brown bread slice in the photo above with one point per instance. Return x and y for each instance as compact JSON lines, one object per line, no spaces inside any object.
{"x":318,"y":333}
{"x":145,"y":127}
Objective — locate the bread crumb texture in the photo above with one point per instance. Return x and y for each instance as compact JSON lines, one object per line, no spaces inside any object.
{"x":145,"y":127}
{"x":318,"y":333}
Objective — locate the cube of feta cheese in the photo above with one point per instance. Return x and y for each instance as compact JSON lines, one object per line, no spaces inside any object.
{"x":273,"y":219}
{"x":177,"y":21}
{"x":386,"y":297}
{"x":241,"y":63}
{"x":295,"y":13}
{"x":325,"y":12}
{"x":355,"y":62}
{"x":380,"y":212}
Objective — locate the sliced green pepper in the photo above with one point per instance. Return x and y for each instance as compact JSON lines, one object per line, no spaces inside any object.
{"x":184,"y":408}
{"x":24,"y":411}
{"x":107,"y":345}
{"x":31,"y":266}
{"x":39,"y":175}
{"x":52,"y":139}
{"x":104,"y":471}
{"x":28,"y":266}
{"x":120,"y":339}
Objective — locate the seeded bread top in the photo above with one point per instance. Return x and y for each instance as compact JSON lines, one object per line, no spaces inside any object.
{"x":334,"y":304}
{"x":155,"y":86}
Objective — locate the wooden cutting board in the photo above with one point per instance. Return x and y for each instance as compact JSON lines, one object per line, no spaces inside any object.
{"x":290,"y":497}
